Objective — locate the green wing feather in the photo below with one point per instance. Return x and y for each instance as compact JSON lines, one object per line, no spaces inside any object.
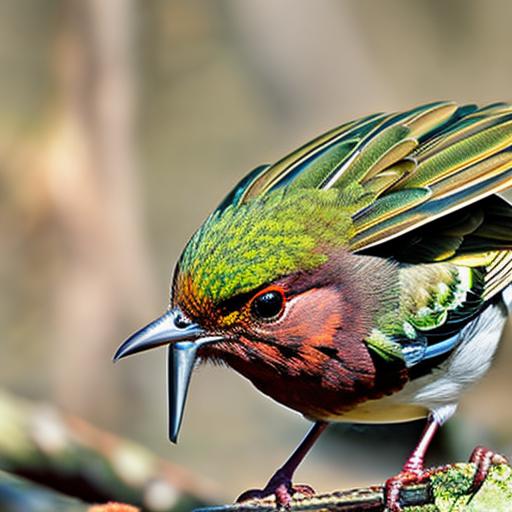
{"x":420,"y":185}
{"x":398,"y":172}
{"x":423,"y":187}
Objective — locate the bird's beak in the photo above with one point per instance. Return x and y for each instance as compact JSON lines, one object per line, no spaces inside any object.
{"x":183,"y":339}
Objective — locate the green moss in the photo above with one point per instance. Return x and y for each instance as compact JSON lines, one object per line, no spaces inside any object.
{"x":451,"y":488}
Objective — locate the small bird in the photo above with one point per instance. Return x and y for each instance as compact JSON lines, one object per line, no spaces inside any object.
{"x":365,"y":277}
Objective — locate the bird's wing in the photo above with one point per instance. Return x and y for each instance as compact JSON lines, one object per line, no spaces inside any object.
{"x":422,"y":186}
{"x":438,"y":301}
{"x":371,"y":143}
{"x":398,"y":172}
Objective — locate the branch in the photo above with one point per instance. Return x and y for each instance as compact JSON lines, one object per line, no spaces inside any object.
{"x":64,"y":453}
{"x":19,"y":494}
{"x":448,"y":490}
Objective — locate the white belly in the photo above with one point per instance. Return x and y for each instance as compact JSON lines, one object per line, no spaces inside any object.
{"x":439,"y":391}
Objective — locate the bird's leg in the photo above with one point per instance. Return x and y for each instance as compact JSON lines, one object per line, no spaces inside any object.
{"x":413,"y":470}
{"x":280,"y":485}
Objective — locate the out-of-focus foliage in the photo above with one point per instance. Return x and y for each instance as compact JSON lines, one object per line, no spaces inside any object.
{"x":18,"y":495}
{"x":67,"y":454}
{"x":123,"y":123}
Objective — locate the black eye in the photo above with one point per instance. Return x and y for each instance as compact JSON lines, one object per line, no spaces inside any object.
{"x":268,"y":305}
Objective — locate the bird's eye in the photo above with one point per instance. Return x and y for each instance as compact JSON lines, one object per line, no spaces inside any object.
{"x":268,"y":304}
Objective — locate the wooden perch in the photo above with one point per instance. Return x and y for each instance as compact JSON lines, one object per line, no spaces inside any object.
{"x":447,"y":491}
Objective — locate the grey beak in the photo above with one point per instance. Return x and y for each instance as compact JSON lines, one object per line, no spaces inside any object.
{"x":183,"y":339}
{"x":161,"y":331}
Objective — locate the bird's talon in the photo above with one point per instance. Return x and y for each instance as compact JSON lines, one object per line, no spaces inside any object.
{"x":283,"y":493}
{"x":305,"y":490}
{"x":483,"y":458}
{"x":395,"y":484}
{"x":250,"y":494}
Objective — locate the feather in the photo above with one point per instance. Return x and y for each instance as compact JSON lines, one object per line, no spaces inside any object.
{"x":458,"y":131}
{"x":405,"y":221}
{"x":237,"y":195}
{"x":449,"y":160}
{"x":356,"y":151}
{"x":499,"y":274}
{"x":430,"y":118}
{"x":378,"y":164}
{"x":371,"y":151}
{"x":420,"y":186}
{"x":386,"y":179}
{"x":390,"y":204}
{"x":295,"y":163}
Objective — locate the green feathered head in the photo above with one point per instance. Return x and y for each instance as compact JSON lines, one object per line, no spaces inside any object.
{"x":246,"y":246}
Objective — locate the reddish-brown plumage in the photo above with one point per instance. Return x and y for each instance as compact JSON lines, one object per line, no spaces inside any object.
{"x":314,"y":358}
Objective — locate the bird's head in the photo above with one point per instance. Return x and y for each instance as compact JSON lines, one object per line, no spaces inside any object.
{"x":268,"y":286}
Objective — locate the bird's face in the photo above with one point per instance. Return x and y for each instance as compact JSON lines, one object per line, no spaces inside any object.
{"x":290,"y":337}
{"x":270,"y":326}
{"x":286,"y":325}
{"x":274,"y":306}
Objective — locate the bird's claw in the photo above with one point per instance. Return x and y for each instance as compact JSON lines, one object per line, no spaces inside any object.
{"x":483,"y":458}
{"x":279,"y":486}
{"x":395,"y":484}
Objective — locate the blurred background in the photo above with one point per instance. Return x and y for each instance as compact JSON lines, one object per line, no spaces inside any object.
{"x":124,"y":123}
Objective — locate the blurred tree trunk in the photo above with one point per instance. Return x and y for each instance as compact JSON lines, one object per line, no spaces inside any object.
{"x":105,"y":273}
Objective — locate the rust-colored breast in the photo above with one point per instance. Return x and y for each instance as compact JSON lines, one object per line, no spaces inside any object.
{"x":314,"y":360}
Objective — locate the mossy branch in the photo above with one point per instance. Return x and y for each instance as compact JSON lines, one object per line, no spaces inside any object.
{"x":447,"y":491}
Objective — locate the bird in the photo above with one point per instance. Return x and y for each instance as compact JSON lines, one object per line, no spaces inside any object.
{"x":365,"y":277}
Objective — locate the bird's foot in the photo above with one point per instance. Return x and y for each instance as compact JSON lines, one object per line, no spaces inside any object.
{"x":394,"y":485}
{"x":483,"y":458}
{"x":280,"y":486}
